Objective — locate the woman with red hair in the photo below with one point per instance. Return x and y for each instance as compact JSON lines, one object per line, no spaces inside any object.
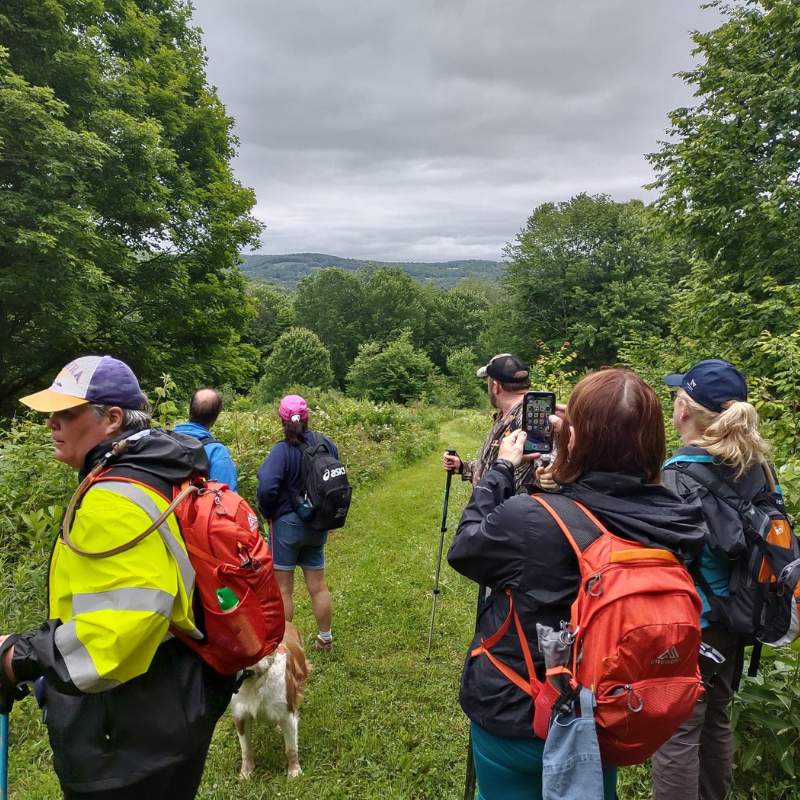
{"x":610,"y":447}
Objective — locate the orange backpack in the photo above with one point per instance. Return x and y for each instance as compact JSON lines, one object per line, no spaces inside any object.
{"x":635,"y":633}
{"x":228,"y":554}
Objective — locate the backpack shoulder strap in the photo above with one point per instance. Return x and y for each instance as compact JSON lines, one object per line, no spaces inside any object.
{"x":704,"y":473}
{"x":204,"y":440}
{"x":572,"y":518}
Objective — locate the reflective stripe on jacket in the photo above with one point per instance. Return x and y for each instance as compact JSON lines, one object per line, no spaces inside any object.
{"x":116,"y":611}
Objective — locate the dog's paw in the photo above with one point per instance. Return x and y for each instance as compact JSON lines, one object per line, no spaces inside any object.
{"x":247,"y":770}
{"x":294,"y":771}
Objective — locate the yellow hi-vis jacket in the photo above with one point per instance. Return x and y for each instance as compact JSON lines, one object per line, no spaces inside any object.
{"x":116,"y":611}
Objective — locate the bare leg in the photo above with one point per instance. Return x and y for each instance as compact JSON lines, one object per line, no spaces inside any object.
{"x":243,"y":727}
{"x":289,"y":729}
{"x":320,"y":597}
{"x":286,"y":584}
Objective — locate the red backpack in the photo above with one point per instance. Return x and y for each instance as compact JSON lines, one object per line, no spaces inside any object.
{"x":635,"y":628}
{"x":228,"y":553}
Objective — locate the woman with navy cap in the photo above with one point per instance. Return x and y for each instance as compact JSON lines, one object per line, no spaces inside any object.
{"x":719,"y":431}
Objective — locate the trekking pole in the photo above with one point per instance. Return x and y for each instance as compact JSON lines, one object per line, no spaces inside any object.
{"x":470,"y":782}
{"x":442,"y":532}
{"x":3,"y":756}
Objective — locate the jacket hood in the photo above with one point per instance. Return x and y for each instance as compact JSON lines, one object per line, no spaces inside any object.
{"x":192,"y":429}
{"x":171,"y":457}
{"x":644,"y":512}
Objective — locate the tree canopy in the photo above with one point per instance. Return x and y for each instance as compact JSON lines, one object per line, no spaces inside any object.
{"x":589,"y":272}
{"x":120,"y":219}
{"x":298,"y":358}
{"x":729,"y":183}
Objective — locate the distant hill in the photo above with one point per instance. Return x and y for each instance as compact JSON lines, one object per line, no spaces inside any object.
{"x":287,"y":270}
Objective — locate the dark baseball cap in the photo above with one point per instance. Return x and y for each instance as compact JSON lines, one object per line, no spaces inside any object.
{"x":103,"y":380}
{"x":506,"y":368}
{"x":711,"y":383}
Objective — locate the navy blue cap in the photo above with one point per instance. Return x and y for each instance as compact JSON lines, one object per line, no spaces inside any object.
{"x":711,"y":383}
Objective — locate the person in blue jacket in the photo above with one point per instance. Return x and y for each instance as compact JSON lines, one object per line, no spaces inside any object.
{"x":292,"y":542}
{"x":204,"y":409}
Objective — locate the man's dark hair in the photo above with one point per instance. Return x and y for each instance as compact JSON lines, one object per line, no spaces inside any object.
{"x":517,"y":386}
{"x":205,"y":406}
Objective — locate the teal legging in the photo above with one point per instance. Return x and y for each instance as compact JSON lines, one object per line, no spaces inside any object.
{"x":511,"y":769}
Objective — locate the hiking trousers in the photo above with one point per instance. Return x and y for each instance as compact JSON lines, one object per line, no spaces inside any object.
{"x":511,"y":769}
{"x":695,"y":764}
{"x":178,"y":782}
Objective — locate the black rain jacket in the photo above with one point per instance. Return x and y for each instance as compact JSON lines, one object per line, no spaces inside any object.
{"x":510,"y":541}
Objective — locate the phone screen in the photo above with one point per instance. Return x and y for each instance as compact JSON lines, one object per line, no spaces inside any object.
{"x":536,"y":410}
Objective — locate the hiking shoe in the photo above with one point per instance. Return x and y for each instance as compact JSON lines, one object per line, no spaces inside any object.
{"x":322,"y":645}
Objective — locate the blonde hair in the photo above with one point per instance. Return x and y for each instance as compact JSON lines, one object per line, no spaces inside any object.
{"x":731,"y":435}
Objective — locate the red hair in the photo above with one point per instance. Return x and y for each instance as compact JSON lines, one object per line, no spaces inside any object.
{"x":618,"y":427}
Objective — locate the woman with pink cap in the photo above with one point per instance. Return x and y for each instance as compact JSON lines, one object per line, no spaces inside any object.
{"x":293,"y":543}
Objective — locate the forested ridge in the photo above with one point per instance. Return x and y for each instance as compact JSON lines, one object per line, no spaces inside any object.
{"x":122,"y":224}
{"x":287,"y":270}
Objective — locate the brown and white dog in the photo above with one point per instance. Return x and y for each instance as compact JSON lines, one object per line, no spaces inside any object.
{"x":274,"y":691}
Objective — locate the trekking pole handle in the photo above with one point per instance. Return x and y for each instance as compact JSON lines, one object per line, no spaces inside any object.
{"x":443,"y":529}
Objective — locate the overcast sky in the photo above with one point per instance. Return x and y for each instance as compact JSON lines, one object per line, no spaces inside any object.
{"x":428,"y":130}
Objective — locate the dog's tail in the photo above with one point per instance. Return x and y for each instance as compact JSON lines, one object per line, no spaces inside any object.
{"x":297,"y":667}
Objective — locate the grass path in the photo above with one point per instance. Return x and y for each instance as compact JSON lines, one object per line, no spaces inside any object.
{"x":379,"y":722}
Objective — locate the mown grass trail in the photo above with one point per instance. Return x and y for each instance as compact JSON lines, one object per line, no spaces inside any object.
{"x":378,"y":722}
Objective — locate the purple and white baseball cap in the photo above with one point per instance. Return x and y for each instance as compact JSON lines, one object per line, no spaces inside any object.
{"x":90,"y":379}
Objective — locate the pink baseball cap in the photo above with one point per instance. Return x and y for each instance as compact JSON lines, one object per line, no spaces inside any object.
{"x":293,"y":405}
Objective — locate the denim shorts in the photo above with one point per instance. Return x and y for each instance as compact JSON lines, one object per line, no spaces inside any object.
{"x":293,"y":544}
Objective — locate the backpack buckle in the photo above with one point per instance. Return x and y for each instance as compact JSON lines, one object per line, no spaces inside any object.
{"x":594,"y":587}
{"x":635,"y":702}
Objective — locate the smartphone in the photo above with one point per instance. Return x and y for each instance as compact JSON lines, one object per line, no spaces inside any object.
{"x":536,"y":410}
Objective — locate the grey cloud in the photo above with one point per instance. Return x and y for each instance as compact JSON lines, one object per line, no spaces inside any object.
{"x":430,"y":129}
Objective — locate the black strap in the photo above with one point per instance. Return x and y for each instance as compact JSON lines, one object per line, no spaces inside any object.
{"x":583,"y":530}
{"x":755,"y":660}
{"x":724,"y":491}
{"x":204,"y":440}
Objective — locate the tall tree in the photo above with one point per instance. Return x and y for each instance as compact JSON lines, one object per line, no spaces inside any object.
{"x":120,"y":219}
{"x":454,"y":318}
{"x":275,"y":314}
{"x":591,"y":272}
{"x":330,"y":302}
{"x":298,"y":358}
{"x":392,"y":304}
{"x":730,"y":178}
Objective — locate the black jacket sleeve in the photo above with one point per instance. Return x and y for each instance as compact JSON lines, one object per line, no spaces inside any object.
{"x":36,"y":655}
{"x":488,"y":547}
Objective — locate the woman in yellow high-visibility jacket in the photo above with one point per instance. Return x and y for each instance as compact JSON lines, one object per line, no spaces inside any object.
{"x":129,"y":709}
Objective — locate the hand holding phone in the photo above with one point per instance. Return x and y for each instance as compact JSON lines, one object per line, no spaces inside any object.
{"x":537,"y":407}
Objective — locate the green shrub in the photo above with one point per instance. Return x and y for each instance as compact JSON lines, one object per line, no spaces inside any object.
{"x":395,"y":373}
{"x":766,"y":721}
{"x":34,"y":489}
{"x":298,"y":356}
{"x":470,"y":391}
